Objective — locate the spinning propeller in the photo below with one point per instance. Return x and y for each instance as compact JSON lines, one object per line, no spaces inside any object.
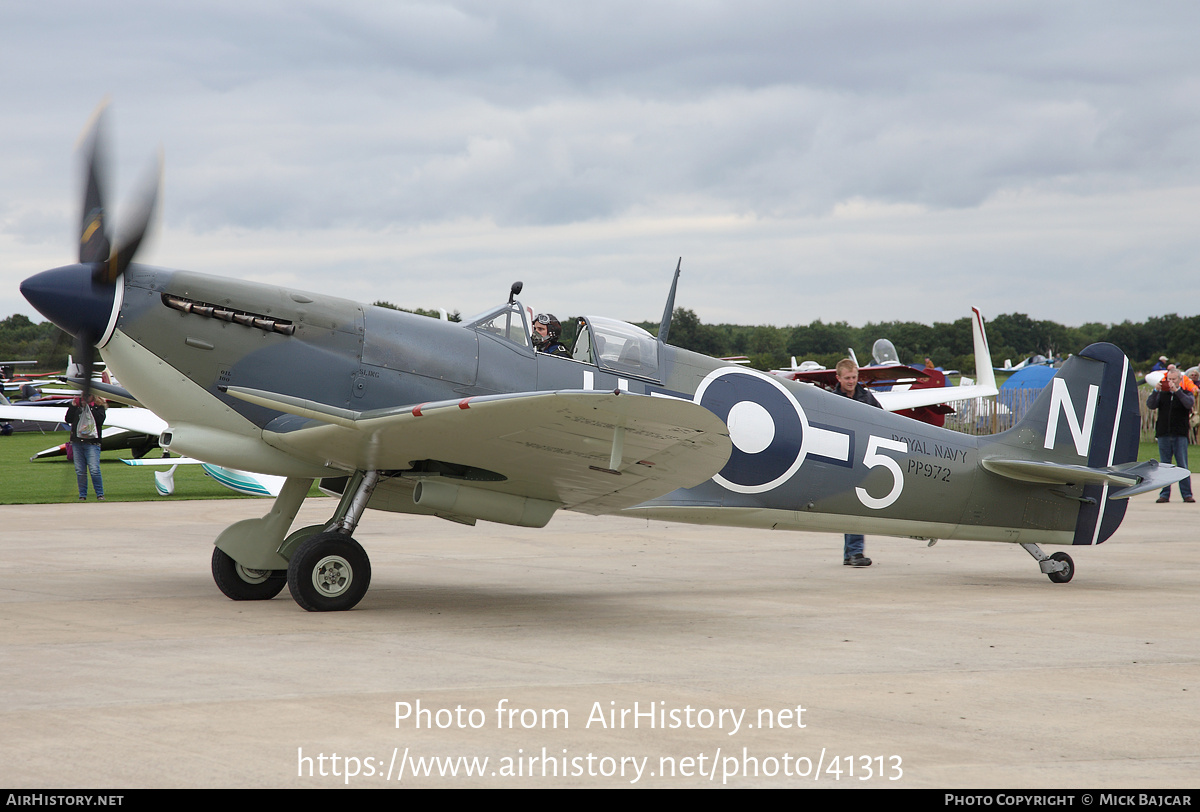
{"x":82,"y":299}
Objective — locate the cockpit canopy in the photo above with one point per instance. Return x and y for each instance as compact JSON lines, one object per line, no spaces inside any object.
{"x":617,"y":346}
{"x":612,"y":345}
{"x":884,"y":352}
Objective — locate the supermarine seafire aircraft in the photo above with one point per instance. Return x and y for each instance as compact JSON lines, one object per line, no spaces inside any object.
{"x":467,"y":421}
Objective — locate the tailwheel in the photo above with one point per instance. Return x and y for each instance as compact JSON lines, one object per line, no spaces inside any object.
{"x":329,"y":572}
{"x":1066,"y":573}
{"x":242,"y":583}
{"x":1059,"y":567}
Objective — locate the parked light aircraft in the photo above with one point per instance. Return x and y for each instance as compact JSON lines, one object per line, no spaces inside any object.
{"x":123,"y":428}
{"x":240,"y":481}
{"x":12,"y":380}
{"x":1031,"y":361}
{"x":139,"y":429}
{"x":405,"y":413}
{"x":917,"y":393}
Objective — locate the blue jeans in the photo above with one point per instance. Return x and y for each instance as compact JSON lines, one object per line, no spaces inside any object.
{"x":855,"y":545}
{"x":87,"y":461}
{"x":1176,"y":447}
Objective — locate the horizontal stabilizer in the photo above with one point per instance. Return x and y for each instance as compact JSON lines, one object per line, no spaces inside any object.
{"x":244,"y":481}
{"x":1154,"y":475}
{"x":1128,"y":480}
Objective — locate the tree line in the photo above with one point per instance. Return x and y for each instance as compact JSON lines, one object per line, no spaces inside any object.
{"x":1013,"y":336}
{"x":949,"y":344}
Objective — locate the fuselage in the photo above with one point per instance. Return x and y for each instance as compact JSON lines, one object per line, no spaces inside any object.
{"x":803,"y":458}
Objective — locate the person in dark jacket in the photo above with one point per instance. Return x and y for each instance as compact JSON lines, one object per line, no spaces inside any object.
{"x":85,"y":420}
{"x":1174,"y":406}
{"x":849,"y":387}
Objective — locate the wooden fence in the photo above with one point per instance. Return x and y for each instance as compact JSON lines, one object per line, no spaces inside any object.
{"x":992,"y":415}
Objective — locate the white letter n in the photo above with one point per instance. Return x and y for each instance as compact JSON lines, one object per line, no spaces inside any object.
{"x":1060,"y":400}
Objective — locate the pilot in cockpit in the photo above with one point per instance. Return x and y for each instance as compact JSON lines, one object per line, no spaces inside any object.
{"x":546,"y":333}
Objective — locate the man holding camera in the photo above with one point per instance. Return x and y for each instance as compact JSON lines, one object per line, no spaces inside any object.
{"x":1174,"y":406}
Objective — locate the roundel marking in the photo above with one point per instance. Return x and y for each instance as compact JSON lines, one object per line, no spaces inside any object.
{"x":766,"y":425}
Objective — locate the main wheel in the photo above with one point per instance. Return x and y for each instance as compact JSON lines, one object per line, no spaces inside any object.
{"x":329,"y":573}
{"x":242,"y":583}
{"x":1062,"y":576}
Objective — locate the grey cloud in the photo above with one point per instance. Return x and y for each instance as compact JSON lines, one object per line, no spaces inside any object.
{"x":315,"y":117}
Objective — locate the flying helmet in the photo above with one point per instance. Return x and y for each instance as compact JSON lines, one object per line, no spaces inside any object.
{"x":553,"y":329}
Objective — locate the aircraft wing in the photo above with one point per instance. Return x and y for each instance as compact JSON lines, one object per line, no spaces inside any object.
{"x":914,"y":398}
{"x":42,"y":414}
{"x":141,"y":421}
{"x":898,"y":400}
{"x":883,"y":375}
{"x":593,"y":452}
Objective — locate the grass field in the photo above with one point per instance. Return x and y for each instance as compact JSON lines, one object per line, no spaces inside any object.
{"x":53,"y":480}
{"x":46,"y":481}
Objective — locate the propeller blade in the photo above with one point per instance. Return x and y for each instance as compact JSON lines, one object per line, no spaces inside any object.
{"x":85,"y":348}
{"x":94,"y":243}
{"x":143,"y":217}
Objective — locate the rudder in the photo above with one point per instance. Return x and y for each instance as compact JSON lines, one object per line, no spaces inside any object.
{"x":1118,"y":435}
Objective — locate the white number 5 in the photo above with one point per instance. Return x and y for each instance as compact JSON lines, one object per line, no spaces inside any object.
{"x":872,"y":459}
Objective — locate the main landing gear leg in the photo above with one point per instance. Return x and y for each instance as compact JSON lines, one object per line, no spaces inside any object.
{"x":330,"y":571}
{"x":1059,"y":567}
{"x":246,"y":564}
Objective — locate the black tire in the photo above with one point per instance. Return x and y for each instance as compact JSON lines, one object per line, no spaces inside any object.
{"x":329,"y":573}
{"x":1062,"y":576}
{"x":240,"y":583}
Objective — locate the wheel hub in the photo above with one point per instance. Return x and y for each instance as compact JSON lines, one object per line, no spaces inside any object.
{"x":252,"y":576}
{"x":332,"y":576}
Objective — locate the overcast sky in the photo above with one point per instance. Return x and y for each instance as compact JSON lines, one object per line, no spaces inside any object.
{"x":843,"y":161}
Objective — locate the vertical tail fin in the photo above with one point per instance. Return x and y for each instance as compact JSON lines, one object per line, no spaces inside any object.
{"x":1083,"y":429}
{"x":1090,"y":409}
{"x":984,"y":374}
